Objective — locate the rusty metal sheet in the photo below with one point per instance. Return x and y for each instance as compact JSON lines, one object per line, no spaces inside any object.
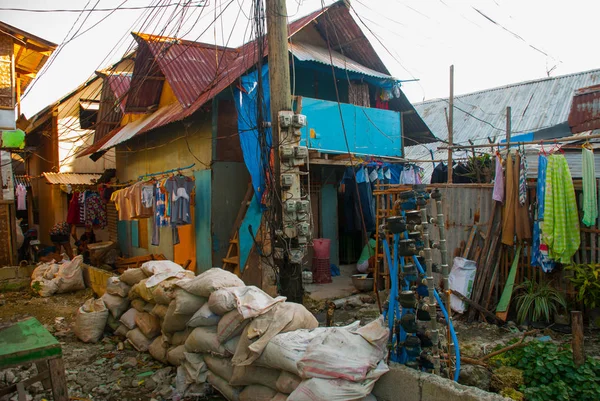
{"x":71,"y":178}
{"x":585,"y":109}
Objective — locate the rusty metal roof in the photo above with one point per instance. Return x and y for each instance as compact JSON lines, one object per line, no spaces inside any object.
{"x":71,"y":178}
{"x":585,"y":109}
{"x":308,"y":52}
{"x":112,"y":104}
{"x":191,"y":70}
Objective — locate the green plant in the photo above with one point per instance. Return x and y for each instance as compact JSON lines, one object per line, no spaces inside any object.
{"x":538,"y":301}
{"x":550,"y":374}
{"x":586,"y":279}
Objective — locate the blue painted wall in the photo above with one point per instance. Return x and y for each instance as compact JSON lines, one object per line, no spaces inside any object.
{"x":252,"y":218}
{"x":369,"y":131}
{"x":203,"y":220}
{"x":329,"y":220}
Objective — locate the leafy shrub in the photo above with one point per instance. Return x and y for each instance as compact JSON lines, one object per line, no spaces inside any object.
{"x":550,"y":374}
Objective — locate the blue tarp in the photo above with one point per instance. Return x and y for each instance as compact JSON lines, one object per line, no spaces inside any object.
{"x":246,"y":103}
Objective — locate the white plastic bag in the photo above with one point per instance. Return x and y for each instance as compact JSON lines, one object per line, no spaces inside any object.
{"x":461,"y":279}
{"x":90,"y":320}
{"x":222,"y":301}
{"x":186,"y":303}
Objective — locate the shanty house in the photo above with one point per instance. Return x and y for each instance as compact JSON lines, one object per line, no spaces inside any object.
{"x":182,"y":113}
{"x":22,"y":55}
{"x":56,"y":134}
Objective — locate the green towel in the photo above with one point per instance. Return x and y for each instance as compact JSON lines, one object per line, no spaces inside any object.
{"x":510,"y":284}
{"x":590,"y":200}
{"x":561,"y":218}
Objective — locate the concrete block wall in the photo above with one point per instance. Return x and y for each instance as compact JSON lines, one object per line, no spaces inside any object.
{"x":15,"y":277}
{"x":406,"y":384}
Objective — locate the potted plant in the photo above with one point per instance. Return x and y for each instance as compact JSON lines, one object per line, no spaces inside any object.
{"x":538,"y":302}
{"x":586,"y":279}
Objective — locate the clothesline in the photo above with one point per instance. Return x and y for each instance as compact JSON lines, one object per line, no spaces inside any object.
{"x":535,"y":142}
{"x":174,"y":170}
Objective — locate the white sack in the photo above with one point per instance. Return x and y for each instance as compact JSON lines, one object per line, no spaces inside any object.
{"x":221,"y":385}
{"x":176,"y":355}
{"x":256,"y":392}
{"x":148,"y":324}
{"x":132,"y":276}
{"x":115,"y":304}
{"x":204,"y":339}
{"x":186,"y":303}
{"x":158,"y":349}
{"x":220,"y":366}
{"x":128,"y":318}
{"x":174,"y":322}
{"x":195,"y":367}
{"x":287,"y":382}
{"x":204,"y":317}
{"x":461,"y":279}
{"x":210,"y":281}
{"x":252,"y":301}
{"x":139,"y":341}
{"x":70,"y":276}
{"x":222,"y":301}
{"x":114,"y":286}
{"x":247,"y":375}
{"x":230,"y":325}
{"x":90,"y":320}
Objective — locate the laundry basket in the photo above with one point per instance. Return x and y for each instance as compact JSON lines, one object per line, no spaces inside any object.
{"x":320,"y":263}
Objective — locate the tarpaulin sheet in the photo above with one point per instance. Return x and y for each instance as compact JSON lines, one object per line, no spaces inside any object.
{"x":246,"y":102}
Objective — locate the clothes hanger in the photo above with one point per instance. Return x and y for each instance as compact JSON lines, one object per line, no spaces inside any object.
{"x":543,"y":150}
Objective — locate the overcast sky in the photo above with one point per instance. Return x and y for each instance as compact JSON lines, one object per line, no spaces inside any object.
{"x":417,"y":39}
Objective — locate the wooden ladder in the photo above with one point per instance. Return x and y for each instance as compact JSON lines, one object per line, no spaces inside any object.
{"x":231,"y":261}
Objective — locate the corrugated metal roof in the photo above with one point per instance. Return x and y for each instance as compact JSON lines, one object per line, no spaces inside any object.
{"x":350,"y":40}
{"x":71,"y":178}
{"x":585,"y":110}
{"x":23,"y":180}
{"x":535,"y":105}
{"x":119,"y":85}
{"x":112,"y":104}
{"x":308,"y":52}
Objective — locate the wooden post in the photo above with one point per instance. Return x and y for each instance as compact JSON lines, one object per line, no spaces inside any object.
{"x":577,"y":340}
{"x":450,"y":124}
{"x":508,"y":127}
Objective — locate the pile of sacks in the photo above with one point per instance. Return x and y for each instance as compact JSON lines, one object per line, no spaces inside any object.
{"x":236,"y":338}
{"x":57,"y":278}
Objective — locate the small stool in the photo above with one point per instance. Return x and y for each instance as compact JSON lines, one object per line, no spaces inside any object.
{"x":29,"y":342}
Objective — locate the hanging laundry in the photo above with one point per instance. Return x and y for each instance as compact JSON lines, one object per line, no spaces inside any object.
{"x":561,"y":220}
{"x":179,"y":190}
{"x":508,"y":217}
{"x":410,"y":175}
{"x":590,"y":197}
{"x":21,"y":193}
{"x":522,"y":220}
{"x":539,"y":251}
{"x":522,"y":179}
{"x":95,"y":211}
{"x":160,"y":211}
{"x":73,"y":211}
{"x":498,"y":192}
{"x":440,"y":174}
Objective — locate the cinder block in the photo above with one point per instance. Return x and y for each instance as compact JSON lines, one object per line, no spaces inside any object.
{"x":25,"y":271}
{"x":399,"y":384}
{"x":435,"y":388}
{"x":8,"y":273}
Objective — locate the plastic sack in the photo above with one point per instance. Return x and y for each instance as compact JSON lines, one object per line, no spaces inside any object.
{"x":148,"y":324}
{"x":115,"y":304}
{"x":256,"y":392}
{"x":132,"y":276}
{"x":173,"y":322}
{"x":158,"y":349}
{"x":111,"y":322}
{"x":461,"y":279}
{"x":138,"y":304}
{"x":186,"y":303}
{"x":286,"y":349}
{"x":287,"y":382}
{"x":247,"y":375}
{"x":281,"y":318}
{"x":195,"y":367}
{"x":114,"y":286}
{"x":121,"y":331}
{"x":220,"y":366}
{"x":160,"y":270}
{"x":160,"y":311}
{"x":221,"y":385}
{"x":230,"y":325}
{"x":252,"y":301}
{"x":43,"y":287}
{"x":179,"y":337}
{"x":231,"y":345}
{"x":280,"y":397}
{"x":210,"y":281}
{"x":176,"y":355}
{"x":140,"y":290}
{"x":128,"y":318}
{"x":149,"y":307}
{"x":222,"y":301}
{"x":204,"y":339}
{"x":317,"y":389}
{"x":70,"y":276}
{"x":90,"y":320}
{"x":164,"y":292}
{"x":204,"y":317}
{"x":139,"y":341}
{"x":342,"y":354}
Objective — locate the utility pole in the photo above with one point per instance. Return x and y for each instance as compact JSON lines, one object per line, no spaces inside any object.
{"x":292,"y":229}
{"x":451,"y":124}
